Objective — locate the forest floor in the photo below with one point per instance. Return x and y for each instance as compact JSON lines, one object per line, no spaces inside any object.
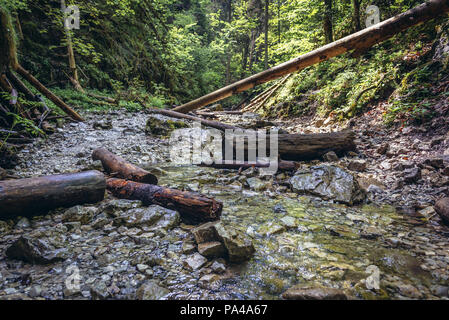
{"x":328,"y":244}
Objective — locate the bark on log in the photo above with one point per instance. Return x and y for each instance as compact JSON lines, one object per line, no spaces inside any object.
{"x":50,"y":95}
{"x":193,"y":207}
{"x":118,"y":167}
{"x":31,"y":196}
{"x":300,"y":147}
{"x":362,"y":39}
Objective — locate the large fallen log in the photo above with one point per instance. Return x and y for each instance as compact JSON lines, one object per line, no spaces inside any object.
{"x":25,"y":197}
{"x":296,"y":147}
{"x":358,"y":41}
{"x":50,"y":95}
{"x":118,"y":167}
{"x":193,"y":207}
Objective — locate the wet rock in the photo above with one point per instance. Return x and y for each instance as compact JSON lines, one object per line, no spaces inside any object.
{"x":257,"y":184}
{"x":412,"y":175}
{"x":301,"y":292}
{"x":331,"y":156}
{"x":103,"y":125}
{"x":371,"y":233}
{"x":116,"y":207}
{"x":442,"y":208}
{"x":437,"y":163}
{"x":80,"y":214}
{"x":289,"y":222}
{"x":239,"y":247}
{"x":357,"y":165}
{"x":99,"y":291}
{"x":188,"y":248}
{"x":205,"y":233}
{"x":208,"y":279}
{"x":34,"y":251}
{"x":329,"y":183}
{"x":383,"y":149}
{"x":440,"y":291}
{"x":160,"y":126}
{"x":23,"y":223}
{"x":153,"y":216}
{"x":35,"y":291}
{"x":195,"y":262}
{"x":211,"y":249}
{"x":218,"y":267}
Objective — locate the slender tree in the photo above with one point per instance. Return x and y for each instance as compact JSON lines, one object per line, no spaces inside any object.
{"x":327,"y":22}
{"x":356,"y":15}
{"x":267,"y":12}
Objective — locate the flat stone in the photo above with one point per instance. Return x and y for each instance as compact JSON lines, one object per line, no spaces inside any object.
{"x":289,"y":222}
{"x":213,"y":249}
{"x":153,"y":216}
{"x":301,"y":292}
{"x":195,"y":262}
{"x":151,"y":290}
{"x":80,"y":214}
{"x":357,"y":165}
{"x":331,"y":156}
{"x":412,"y":175}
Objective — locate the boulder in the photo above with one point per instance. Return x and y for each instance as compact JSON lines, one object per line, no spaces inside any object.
{"x":205,"y":233}
{"x":357,"y":165}
{"x":34,"y":251}
{"x":412,"y":175}
{"x":151,"y":290}
{"x":330,"y":156}
{"x":301,"y":292}
{"x":153,"y":216}
{"x":161,"y":126}
{"x":328,"y":182}
{"x":239,"y":247}
{"x":442,"y":208}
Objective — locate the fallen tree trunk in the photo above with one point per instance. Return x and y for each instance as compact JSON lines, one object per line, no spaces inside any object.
{"x":282,"y":165}
{"x":118,"y":167}
{"x":31,"y":196}
{"x":50,"y":95}
{"x":191,"y":206}
{"x":357,"y":41}
{"x":300,"y":147}
{"x":207,"y":123}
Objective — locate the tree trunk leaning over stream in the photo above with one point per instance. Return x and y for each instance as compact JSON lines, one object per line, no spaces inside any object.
{"x":118,"y":167}
{"x":358,"y":41}
{"x":193,"y":207}
{"x":25,"y":197}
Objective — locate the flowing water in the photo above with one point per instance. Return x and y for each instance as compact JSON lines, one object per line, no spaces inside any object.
{"x":298,"y":239}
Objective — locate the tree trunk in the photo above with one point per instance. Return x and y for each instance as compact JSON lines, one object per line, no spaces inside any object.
{"x":192,"y":207}
{"x":267,"y":11}
{"x":50,"y":95}
{"x":26,"y":197}
{"x":362,"y":39}
{"x":301,"y":147}
{"x":327,"y":21}
{"x":118,"y":167}
{"x":356,"y":15}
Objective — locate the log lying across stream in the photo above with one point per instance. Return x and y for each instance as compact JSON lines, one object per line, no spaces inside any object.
{"x":118,"y":167}
{"x":26,"y":197}
{"x":296,"y":147}
{"x":193,"y":207}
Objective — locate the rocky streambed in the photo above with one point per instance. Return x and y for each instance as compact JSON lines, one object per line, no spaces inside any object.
{"x":294,"y":235}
